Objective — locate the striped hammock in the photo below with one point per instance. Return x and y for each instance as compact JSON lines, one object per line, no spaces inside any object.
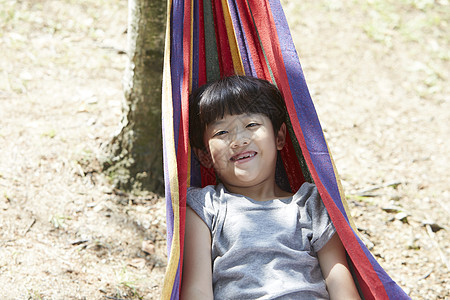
{"x":208,"y":39}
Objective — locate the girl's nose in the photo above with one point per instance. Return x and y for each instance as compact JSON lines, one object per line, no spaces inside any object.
{"x":240,"y":139}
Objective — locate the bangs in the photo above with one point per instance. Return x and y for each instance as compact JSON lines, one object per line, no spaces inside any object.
{"x":233,"y":95}
{"x":215,"y":106}
{"x":223,"y":98}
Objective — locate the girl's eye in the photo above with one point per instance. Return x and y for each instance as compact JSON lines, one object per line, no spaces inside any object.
{"x":218,"y":133}
{"x":252,"y":124}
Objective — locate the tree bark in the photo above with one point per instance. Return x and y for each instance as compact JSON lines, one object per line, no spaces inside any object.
{"x":134,"y":156}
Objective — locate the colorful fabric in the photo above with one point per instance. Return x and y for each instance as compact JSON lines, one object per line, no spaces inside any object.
{"x":208,"y":39}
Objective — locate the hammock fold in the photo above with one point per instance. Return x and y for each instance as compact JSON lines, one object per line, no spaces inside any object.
{"x":208,"y":39}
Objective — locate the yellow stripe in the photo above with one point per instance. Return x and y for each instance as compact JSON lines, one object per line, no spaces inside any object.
{"x":342,"y":194}
{"x":232,"y":41}
{"x":167,"y":116}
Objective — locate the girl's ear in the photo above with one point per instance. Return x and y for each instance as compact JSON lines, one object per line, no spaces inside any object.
{"x":281,"y":136}
{"x":204,"y":157}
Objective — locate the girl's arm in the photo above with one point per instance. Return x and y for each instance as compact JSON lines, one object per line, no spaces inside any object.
{"x":197,"y":270}
{"x":333,"y":263}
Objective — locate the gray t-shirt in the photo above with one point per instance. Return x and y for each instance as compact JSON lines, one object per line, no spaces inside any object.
{"x":265,"y":250}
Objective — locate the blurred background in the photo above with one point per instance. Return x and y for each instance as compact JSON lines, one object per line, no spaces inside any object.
{"x":378,"y":74}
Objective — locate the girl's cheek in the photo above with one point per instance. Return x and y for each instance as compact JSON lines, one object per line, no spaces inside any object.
{"x":219,"y":143}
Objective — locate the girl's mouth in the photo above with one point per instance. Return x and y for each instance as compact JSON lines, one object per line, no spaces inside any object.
{"x":244,"y":155}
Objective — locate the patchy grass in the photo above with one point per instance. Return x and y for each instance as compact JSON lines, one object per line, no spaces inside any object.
{"x":378,"y":72}
{"x":408,"y":20}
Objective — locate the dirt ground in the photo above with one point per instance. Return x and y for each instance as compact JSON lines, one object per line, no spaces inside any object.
{"x":378,"y":72}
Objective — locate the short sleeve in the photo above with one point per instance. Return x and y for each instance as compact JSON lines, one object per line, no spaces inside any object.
{"x":322,"y":227}
{"x":201,"y":200}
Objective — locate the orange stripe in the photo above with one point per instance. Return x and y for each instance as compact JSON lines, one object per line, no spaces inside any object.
{"x":232,"y":41}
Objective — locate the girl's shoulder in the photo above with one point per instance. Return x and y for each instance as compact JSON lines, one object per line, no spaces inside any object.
{"x":206,"y":202}
{"x":307,"y":195}
{"x":208,"y":196}
{"x":306,"y":188}
{"x":211,"y":190}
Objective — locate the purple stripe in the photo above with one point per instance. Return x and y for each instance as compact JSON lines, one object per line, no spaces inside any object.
{"x":169,"y":216}
{"x":176,"y":285}
{"x":196,"y":178}
{"x":392,"y":289}
{"x":177,"y":63}
{"x":312,"y":131}
{"x":247,"y":62}
{"x":169,"y":208}
{"x":177,"y":70}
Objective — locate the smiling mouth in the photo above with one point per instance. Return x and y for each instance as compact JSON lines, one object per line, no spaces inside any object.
{"x":242,"y":156}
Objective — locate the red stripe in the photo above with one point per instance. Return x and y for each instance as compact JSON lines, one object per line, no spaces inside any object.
{"x":269,"y":37}
{"x":291,"y":165}
{"x":183,"y":138}
{"x":223,"y":47}
{"x":208,"y":176}
{"x":288,"y":154}
{"x":201,"y":48}
{"x":370,"y":280}
{"x":253,"y":44}
{"x":365,"y":290}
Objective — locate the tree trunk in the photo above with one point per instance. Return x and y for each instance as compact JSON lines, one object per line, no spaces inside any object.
{"x":134,"y":156}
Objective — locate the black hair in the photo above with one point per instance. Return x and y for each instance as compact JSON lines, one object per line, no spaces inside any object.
{"x":233,"y":95}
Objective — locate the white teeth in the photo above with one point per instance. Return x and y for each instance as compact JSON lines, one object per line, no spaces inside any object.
{"x":244,"y":156}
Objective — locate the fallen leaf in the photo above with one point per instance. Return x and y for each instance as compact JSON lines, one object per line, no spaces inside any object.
{"x":138,"y":263}
{"x":148,"y":247}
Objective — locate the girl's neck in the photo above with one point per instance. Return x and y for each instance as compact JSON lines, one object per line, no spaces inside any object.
{"x":261,"y":192}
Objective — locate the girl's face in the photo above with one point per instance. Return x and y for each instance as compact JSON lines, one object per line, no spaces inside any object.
{"x":243,"y":149}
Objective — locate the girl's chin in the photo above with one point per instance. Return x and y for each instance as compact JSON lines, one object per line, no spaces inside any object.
{"x":242,"y":180}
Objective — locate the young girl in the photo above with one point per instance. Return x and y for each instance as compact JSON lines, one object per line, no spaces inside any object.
{"x":247,"y":238}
